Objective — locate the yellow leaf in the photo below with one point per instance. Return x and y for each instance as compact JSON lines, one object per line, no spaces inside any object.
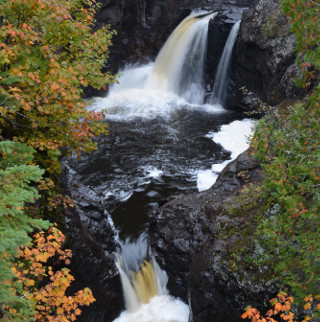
{"x":29,"y":282}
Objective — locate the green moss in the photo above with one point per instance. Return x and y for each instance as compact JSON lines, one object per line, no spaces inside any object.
{"x":274,"y":24}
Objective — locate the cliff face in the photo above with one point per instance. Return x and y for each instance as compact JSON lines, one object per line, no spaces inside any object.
{"x":92,"y":240}
{"x":196,"y":238}
{"x":264,"y":57}
{"x":144,"y":25}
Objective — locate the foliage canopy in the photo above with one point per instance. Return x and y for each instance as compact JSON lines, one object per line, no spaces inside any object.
{"x":287,"y":143}
{"x":48,"y":54}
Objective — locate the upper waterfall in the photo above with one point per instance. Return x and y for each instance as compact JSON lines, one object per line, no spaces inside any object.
{"x":220,"y":89}
{"x":174,"y":81}
{"x":179,"y":65}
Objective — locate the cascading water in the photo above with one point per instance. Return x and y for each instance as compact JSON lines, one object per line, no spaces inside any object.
{"x":174,"y":79}
{"x":179,"y":65}
{"x":162,"y":142}
{"x":144,"y":285}
{"x":220,"y":89}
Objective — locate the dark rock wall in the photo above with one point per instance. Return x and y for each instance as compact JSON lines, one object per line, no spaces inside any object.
{"x":186,"y":236}
{"x":143,"y":26}
{"x":91,"y":240}
{"x":264,"y":57}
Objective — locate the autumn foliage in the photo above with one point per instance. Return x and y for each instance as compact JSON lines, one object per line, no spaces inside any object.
{"x":47,"y":54}
{"x":44,"y":287}
{"x":282,"y":310}
{"x":49,"y":51}
{"x":286,"y":142}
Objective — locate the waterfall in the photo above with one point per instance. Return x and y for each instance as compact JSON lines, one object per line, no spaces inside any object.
{"x":179,"y":65}
{"x":144,"y":285}
{"x":172,"y":82}
{"x":220,"y":89}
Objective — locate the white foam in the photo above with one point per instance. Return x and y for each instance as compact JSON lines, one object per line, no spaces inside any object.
{"x":113,"y":227}
{"x":218,"y":167}
{"x":125,"y":195}
{"x":130,"y":98}
{"x":205,"y":179}
{"x":212,"y":108}
{"x":162,"y":308}
{"x":152,"y":172}
{"x":233,"y":137}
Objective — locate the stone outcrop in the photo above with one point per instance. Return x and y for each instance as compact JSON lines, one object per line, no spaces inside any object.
{"x":264,"y":56}
{"x":92,"y":242}
{"x":193,"y":237}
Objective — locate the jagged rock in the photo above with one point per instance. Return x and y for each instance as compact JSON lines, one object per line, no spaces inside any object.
{"x":186,"y":235}
{"x":92,"y":242}
{"x":264,"y":56}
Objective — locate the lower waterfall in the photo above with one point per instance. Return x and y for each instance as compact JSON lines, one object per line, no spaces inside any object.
{"x":144,"y":286}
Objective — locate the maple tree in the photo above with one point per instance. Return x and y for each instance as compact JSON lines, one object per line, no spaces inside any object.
{"x":44,"y":288}
{"x":48,"y":53}
{"x":282,"y":309}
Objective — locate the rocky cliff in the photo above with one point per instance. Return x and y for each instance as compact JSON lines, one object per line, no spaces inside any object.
{"x":196,"y":238}
{"x":264,"y":56}
{"x":143,"y":26}
{"x":92,"y":242}
{"x":263,"y":59}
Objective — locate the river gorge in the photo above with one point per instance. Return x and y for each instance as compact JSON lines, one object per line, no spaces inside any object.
{"x":149,"y":201}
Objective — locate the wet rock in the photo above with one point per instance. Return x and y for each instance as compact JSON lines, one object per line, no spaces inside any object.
{"x":91,"y":239}
{"x":264,"y":56}
{"x":186,"y":236}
